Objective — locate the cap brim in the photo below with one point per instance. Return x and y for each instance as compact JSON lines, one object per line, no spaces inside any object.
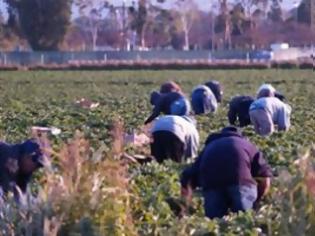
{"x":44,"y":162}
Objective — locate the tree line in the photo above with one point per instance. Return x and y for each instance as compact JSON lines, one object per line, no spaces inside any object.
{"x":49,"y":25}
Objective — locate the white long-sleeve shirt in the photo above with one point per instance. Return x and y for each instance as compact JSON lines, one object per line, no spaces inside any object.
{"x":279,"y":111}
{"x":183,"y":127}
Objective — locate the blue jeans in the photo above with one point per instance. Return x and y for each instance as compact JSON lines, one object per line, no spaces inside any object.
{"x":236,"y":198}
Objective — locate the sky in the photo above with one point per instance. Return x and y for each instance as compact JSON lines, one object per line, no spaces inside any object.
{"x":202,"y":4}
{"x":206,"y":4}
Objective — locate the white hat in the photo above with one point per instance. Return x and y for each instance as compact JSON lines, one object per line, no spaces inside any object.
{"x":266,"y":87}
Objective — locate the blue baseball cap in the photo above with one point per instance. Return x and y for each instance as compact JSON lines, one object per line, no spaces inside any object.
{"x":32,"y":148}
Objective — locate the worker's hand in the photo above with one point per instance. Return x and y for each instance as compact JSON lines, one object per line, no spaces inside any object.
{"x":187,"y":193}
{"x":263,"y":186}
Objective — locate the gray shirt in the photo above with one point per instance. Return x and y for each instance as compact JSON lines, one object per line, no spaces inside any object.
{"x":183,"y":127}
{"x":278,"y":110}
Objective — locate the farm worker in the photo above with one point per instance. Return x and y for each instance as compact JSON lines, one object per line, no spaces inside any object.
{"x":170,"y":86}
{"x":239,"y":110}
{"x":231,"y":173}
{"x":174,"y":137}
{"x":266,"y":112}
{"x":167,"y":87}
{"x":239,"y":105}
{"x":172,"y":103}
{"x":205,"y":98}
{"x":17,"y":164}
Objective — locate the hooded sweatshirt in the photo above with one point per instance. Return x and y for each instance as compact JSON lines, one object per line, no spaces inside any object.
{"x":228,"y":159}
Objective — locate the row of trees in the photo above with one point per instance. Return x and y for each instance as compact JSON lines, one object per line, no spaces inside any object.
{"x":47,"y":24}
{"x":43,"y":23}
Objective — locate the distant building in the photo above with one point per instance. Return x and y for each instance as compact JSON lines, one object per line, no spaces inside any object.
{"x":279,"y":46}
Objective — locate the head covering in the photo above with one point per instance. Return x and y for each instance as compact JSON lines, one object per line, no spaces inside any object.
{"x":216,"y":89}
{"x":225,"y":132}
{"x":32,"y":149}
{"x":170,"y":86}
{"x":265,"y":90}
{"x":154,"y":97}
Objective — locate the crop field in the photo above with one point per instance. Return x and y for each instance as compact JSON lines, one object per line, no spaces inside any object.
{"x":92,"y":192}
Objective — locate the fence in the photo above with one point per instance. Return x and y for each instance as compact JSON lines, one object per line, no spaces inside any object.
{"x":46,"y":58}
{"x":43,"y":58}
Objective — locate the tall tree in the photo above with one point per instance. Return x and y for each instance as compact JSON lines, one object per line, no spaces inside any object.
{"x":226,"y":18}
{"x":304,"y":12}
{"x":92,"y":14}
{"x":275,"y":12}
{"x":139,"y":20}
{"x":238,"y":19}
{"x":257,"y":17}
{"x":251,"y":5}
{"x":43,"y":22}
{"x":13,"y":19}
{"x":188,"y":13}
{"x":161,"y":29}
{"x":185,"y":12}
{"x":1,"y":18}
{"x":1,"y":25}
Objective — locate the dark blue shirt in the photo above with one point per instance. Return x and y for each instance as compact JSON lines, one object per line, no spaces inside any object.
{"x":239,"y":110}
{"x":227,"y":159}
{"x":10,"y":174}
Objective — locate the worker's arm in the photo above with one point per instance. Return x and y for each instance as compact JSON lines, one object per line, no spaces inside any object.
{"x":190,"y":179}
{"x":262,"y":173}
{"x":187,"y":192}
{"x":151,"y":118}
{"x":284,"y":118}
{"x":155,"y":113}
{"x":263,"y":186}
